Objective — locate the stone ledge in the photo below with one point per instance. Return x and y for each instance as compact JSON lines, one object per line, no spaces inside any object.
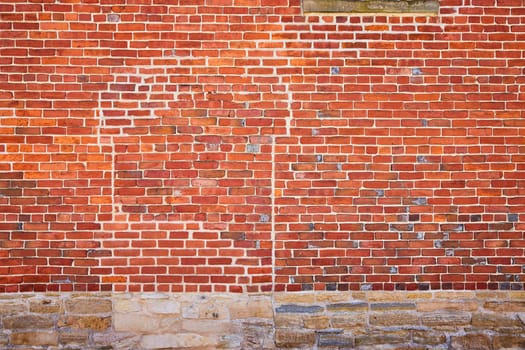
{"x":371,"y":6}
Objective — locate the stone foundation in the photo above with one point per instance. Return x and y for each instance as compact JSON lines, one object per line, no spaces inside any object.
{"x":322,"y":320}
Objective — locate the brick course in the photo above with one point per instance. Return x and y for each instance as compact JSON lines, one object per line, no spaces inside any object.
{"x":245,"y":146}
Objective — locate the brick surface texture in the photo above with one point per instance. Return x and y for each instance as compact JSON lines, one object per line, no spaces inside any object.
{"x":248,"y":146}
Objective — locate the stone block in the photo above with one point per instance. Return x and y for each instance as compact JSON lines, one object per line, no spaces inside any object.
{"x":505,"y":306}
{"x":163,"y":306}
{"x":347,"y":307}
{"x":287,"y":338}
{"x":494,"y":321}
{"x":438,"y":305}
{"x":258,"y":335}
{"x":253,"y":307}
{"x":179,"y":340}
{"x":383,"y":338}
{"x":355,"y":322}
{"x":335,"y":339}
{"x":34,"y":338}
{"x":85,"y":322}
{"x":471,"y":341}
{"x":115,"y":340}
{"x":393,"y":319}
{"x":12,"y":308}
{"x":45,"y":306}
{"x":294,"y":298}
{"x":135,"y":323}
{"x":73,"y":337}
{"x":509,"y":341}
{"x":446,"y":319}
{"x":288,"y":321}
{"x":316,"y":322}
{"x":392,"y":306}
{"x":28,"y":322}
{"x":126,"y":305}
{"x":210,"y":326}
{"x":429,"y":337}
{"x":88,"y":306}
{"x":298,"y":309}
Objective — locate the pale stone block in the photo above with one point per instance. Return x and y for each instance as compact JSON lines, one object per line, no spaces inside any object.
{"x":135,"y":323}
{"x":180,"y":340}
{"x":355,"y":322}
{"x":317,"y":322}
{"x":258,"y":307}
{"x":329,"y":297}
{"x":450,"y":295}
{"x":126,"y":305}
{"x":492,"y":320}
{"x":163,"y":306}
{"x":12,"y":308}
{"x":210,"y":326}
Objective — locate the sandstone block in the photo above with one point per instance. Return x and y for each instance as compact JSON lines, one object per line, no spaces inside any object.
{"x":287,"y":338}
{"x":88,"y":306}
{"x":163,"y":306}
{"x":75,"y":337}
{"x":493,"y":321}
{"x":294,"y":298}
{"x":431,"y":306}
{"x":28,"y":322}
{"x":135,"y":323}
{"x":316,"y":322}
{"x":449,"y":319}
{"x":509,"y":341}
{"x":258,"y":335}
{"x":355,"y":322}
{"x":392,"y":306}
{"x":35,"y":338}
{"x":126,"y":305}
{"x":335,"y":339}
{"x":180,"y":340}
{"x":288,"y":320}
{"x":347,"y":307}
{"x":210,"y":326}
{"x":429,"y":338}
{"x":12,"y":308}
{"x":471,"y":342}
{"x":383,"y":338}
{"x":86,"y":322}
{"x":254,"y":307}
{"x":393,"y":319}
{"x":505,"y":306}
{"x":44,"y":306}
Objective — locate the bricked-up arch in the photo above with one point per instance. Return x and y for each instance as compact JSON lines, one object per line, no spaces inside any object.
{"x":371,"y":6}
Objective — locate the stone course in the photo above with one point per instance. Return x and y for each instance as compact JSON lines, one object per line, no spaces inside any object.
{"x":306,"y":320}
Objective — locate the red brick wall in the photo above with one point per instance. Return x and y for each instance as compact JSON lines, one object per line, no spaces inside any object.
{"x":241,"y":145}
